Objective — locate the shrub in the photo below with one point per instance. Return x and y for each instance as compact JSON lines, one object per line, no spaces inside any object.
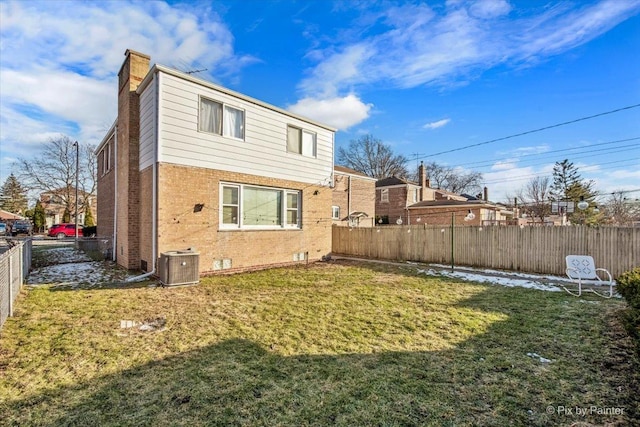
{"x":628,"y":285}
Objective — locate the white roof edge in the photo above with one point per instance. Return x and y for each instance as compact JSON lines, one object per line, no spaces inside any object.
{"x":106,"y":138}
{"x":157,"y":67}
{"x":354,"y":175}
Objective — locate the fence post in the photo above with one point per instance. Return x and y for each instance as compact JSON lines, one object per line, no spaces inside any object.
{"x":10,"y":287}
{"x":453,"y":217}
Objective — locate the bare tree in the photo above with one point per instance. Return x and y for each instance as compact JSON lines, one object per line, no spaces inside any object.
{"x":534,"y":197}
{"x":53,"y":170}
{"x":621,"y":210}
{"x":372,"y":157}
{"x":455,"y":180}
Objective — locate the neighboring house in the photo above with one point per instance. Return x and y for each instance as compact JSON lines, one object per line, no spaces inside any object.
{"x":394,"y":195}
{"x":9,"y":218}
{"x":399,"y":201}
{"x":353,"y":198}
{"x":6,"y":216}
{"x":467,"y":212}
{"x":54,"y":206}
{"x":190,"y":164}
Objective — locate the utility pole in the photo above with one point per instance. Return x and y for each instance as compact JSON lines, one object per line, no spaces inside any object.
{"x":75,"y":144}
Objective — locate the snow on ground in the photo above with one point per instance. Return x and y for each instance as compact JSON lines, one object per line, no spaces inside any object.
{"x":498,"y":278}
{"x":73,"y":269}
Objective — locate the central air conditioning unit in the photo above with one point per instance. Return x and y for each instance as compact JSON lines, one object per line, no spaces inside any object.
{"x":179,"y":268}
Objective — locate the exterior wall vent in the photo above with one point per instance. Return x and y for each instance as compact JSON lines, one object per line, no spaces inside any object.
{"x":179,"y":268}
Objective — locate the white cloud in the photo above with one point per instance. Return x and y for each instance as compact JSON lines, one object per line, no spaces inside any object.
{"x":60,"y":60}
{"x":436,"y":124}
{"x":340,"y":112}
{"x":462,"y":40}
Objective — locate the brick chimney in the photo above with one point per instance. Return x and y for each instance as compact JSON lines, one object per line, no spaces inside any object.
{"x":486,"y":194}
{"x":422,"y":177}
{"x":131,"y":74}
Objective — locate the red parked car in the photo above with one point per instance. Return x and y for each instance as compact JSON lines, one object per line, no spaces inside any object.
{"x":64,"y":230}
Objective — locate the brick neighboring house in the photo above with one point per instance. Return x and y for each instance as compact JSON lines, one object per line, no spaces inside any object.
{"x":406,"y":202}
{"x":353,"y":198}
{"x":54,"y":206}
{"x":441,"y":212}
{"x":394,"y":195}
{"x":191,"y":164}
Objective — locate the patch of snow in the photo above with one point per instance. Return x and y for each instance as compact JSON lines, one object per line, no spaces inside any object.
{"x":74,"y":270}
{"x":540,"y":358}
{"x":496,"y":280}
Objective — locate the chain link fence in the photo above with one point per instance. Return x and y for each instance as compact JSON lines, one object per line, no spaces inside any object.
{"x":15,"y":263}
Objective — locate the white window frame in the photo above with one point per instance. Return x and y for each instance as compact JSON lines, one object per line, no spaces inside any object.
{"x":335,"y":212}
{"x":224,"y":131}
{"x":302,"y":147}
{"x":284,"y":208}
{"x":105,"y":154}
{"x":384,"y":195}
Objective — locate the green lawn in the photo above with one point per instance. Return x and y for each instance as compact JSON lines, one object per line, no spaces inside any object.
{"x":329,"y":344}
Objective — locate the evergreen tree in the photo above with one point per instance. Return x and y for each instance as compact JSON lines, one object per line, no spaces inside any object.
{"x":565,"y":175}
{"x":39,"y":217}
{"x":13,"y":196}
{"x":569,"y":186}
{"x":88,"y":216}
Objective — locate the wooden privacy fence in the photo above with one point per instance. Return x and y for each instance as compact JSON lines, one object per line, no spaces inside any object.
{"x":527,"y":249}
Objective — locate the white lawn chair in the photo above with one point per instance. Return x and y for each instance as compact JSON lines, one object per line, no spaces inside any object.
{"x":582,"y":270}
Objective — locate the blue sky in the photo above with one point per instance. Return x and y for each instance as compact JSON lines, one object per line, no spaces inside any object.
{"x":424,"y":77}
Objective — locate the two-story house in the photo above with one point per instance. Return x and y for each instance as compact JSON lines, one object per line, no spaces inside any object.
{"x":394,"y":195}
{"x":54,"y":205}
{"x":354,"y":196}
{"x":191,"y":164}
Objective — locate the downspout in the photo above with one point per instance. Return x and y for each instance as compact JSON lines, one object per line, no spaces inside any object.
{"x":115,"y":194}
{"x":349,"y":202}
{"x":154,"y":191}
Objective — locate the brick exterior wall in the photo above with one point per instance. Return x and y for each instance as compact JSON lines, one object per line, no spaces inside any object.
{"x":146,"y":220}
{"x":363,"y":193}
{"x":131,"y":74}
{"x":396,"y":207}
{"x":181,"y":188}
{"x":106,"y":191}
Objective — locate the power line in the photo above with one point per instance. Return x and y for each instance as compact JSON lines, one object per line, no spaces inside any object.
{"x":531,"y":131}
{"x":592,"y":154}
{"x":587,"y":148}
{"x":521,"y":177}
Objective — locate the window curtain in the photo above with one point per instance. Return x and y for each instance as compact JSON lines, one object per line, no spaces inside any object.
{"x":308,"y":144}
{"x":233,"y":122}
{"x":293,"y":140}
{"x":210,"y":116}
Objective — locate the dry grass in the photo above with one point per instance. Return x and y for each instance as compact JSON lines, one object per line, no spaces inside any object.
{"x":329,"y":344}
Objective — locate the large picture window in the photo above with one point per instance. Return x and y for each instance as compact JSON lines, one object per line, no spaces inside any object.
{"x":246,"y":206}
{"x":301,"y":141}
{"x":221,"y":119}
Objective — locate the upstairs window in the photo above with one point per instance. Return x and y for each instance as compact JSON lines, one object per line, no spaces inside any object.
{"x":221,"y":119}
{"x":105,"y":158}
{"x":384,"y":195}
{"x":301,"y":141}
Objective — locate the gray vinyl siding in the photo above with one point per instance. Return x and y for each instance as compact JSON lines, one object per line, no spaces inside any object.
{"x":148,"y":126}
{"x":263,"y":151}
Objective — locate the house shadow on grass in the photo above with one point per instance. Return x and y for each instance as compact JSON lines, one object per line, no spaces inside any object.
{"x":486,"y":379}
